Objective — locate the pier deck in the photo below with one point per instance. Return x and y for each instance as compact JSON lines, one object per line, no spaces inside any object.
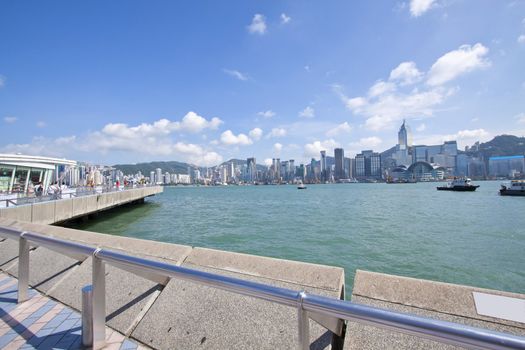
{"x":56,"y":211}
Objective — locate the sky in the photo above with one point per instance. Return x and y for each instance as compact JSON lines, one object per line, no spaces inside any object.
{"x":205,"y":81}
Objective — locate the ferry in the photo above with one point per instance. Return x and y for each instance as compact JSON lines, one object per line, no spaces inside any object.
{"x":460,"y":185}
{"x":301,"y":186}
{"x":517,"y":188}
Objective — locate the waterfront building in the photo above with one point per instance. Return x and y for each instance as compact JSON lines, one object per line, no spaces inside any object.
{"x":349,"y":167}
{"x":339,"y":156}
{"x":401,"y":154}
{"x":251,"y":170}
{"x":368,"y":165}
{"x":507,"y":166}
{"x":19,"y":173}
{"x":462,"y":161}
{"x":276,"y":170}
{"x":184,"y":179}
{"x":324,"y":168}
{"x":152,"y":177}
{"x":167,"y":178}
{"x":158,"y":176}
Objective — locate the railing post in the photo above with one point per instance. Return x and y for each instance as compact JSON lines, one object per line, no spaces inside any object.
{"x":87,"y":316}
{"x":23,"y":268}
{"x":99,"y":301}
{"x":304,"y":323}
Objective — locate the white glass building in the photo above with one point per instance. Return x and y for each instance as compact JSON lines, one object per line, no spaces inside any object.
{"x":18,"y":173}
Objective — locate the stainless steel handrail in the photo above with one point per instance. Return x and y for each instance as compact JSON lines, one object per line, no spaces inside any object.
{"x":308,"y":305}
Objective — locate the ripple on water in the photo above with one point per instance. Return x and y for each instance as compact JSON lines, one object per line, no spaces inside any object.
{"x":412,"y":230}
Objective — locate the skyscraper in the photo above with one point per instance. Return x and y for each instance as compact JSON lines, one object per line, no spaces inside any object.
{"x":251,"y":170}
{"x":368,"y":165}
{"x":158,"y":175}
{"x":323,"y":166}
{"x":404,"y":137}
{"x":339,"y":156}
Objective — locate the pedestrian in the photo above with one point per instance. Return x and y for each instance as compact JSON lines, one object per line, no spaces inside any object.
{"x":39,"y":189}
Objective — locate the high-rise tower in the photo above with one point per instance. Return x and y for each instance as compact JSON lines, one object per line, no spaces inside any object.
{"x":404,"y":136}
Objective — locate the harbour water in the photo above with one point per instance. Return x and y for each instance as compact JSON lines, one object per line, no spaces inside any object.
{"x":412,"y":230}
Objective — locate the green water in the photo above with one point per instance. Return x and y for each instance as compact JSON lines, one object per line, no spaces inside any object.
{"x":413,"y":230}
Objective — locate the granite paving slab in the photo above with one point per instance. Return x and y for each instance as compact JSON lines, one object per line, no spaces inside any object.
{"x":188,"y":316}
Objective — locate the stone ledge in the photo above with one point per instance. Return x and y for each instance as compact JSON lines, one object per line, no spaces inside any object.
{"x":424,"y":294}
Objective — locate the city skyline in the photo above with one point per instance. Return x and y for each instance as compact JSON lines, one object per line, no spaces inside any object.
{"x":272,"y":80}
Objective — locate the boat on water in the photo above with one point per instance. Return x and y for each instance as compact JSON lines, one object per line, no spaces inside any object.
{"x":516,"y":188}
{"x":301,"y":186}
{"x":460,"y":185}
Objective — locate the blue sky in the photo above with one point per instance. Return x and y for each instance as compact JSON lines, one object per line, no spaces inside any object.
{"x":203,"y":82}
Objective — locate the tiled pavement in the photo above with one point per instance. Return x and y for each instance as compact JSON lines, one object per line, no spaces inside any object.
{"x":42,"y":323}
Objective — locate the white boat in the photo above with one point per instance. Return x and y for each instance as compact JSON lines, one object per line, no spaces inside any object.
{"x":516,"y":188}
{"x":459,"y":184}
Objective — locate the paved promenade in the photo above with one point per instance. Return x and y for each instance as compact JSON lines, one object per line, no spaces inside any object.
{"x":42,"y":323}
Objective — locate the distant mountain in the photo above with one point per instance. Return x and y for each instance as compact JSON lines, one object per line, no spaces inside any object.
{"x":503,"y":145}
{"x":173,"y":167}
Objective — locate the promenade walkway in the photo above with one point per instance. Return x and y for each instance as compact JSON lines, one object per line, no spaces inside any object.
{"x":43,"y":323}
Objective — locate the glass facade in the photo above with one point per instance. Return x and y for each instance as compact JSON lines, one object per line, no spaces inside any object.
{"x":19,"y":179}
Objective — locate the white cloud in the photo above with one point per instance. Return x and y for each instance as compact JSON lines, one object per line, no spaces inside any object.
{"x":267,"y":114}
{"x":236,"y":74}
{"x":277,"y":147}
{"x":419,"y":7}
{"x":191,"y":122}
{"x":285,"y":19}
{"x":457,"y":62}
{"x":520,"y":118}
{"x":276,"y":132}
{"x":10,"y":120}
{"x":196,"y":154}
{"x":41,"y":146}
{"x":386,"y":103}
{"x":422,"y":127}
{"x":406,"y":73}
{"x":194,"y":123}
{"x":521,"y":39}
{"x":41,"y":124}
{"x":343,"y":128}
{"x":380,"y":88}
{"x":258,"y":25}
{"x":367,"y":142}
{"x":256,"y":134}
{"x":308,"y":112}
{"x":229,"y":138}
{"x":268,"y":161}
{"x":382,"y":112}
{"x":143,"y":140}
{"x":313,"y":149}
{"x":2,"y":81}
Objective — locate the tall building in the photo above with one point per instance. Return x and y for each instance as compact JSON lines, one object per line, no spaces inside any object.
{"x":158,"y":175}
{"x":404,"y":136}
{"x":339,"y":172}
{"x":401,"y":155}
{"x":368,"y":165}
{"x":324,"y":170}
{"x":152,"y":177}
{"x":251,"y":170}
{"x":508,"y":166}
{"x":349,"y":168}
{"x":276,"y":169}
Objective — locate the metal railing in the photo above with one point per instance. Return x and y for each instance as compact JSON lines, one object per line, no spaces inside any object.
{"x":328,"y":312}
